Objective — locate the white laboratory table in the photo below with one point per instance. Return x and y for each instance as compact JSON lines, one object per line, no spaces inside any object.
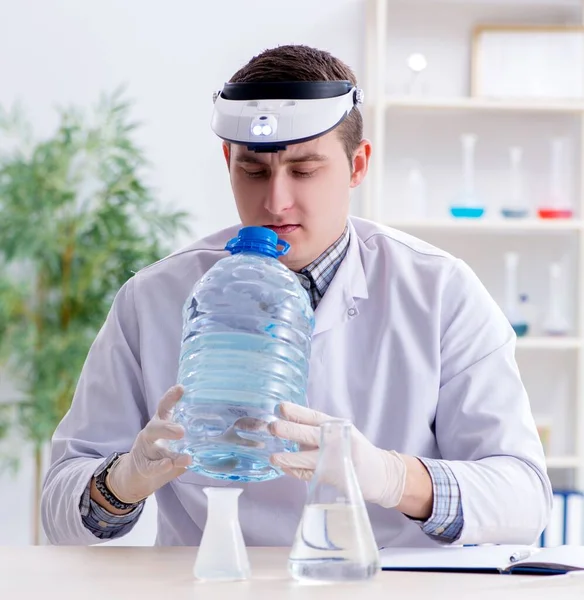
{"x":154,"y":573}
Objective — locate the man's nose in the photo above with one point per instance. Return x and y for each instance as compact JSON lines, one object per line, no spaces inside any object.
{"x":278,"y":196}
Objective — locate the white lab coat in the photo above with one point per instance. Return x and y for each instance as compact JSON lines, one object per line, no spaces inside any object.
{"x":407,"y":344}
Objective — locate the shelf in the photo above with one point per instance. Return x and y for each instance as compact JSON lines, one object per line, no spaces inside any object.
{"x":444,"y":112}
{"x":563,"y":462}
{"x":489,"y":225}
{"x":482,"y":104}
{"x":500,"y":3}
{"x":549,"y":343}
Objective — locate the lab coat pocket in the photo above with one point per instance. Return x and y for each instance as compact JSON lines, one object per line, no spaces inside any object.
{"x":192,"y":478}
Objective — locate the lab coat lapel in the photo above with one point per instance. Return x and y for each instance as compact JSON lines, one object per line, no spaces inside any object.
{"x":338,"y":304}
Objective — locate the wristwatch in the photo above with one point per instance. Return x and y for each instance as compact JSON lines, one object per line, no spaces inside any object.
{"x":100,"y":483}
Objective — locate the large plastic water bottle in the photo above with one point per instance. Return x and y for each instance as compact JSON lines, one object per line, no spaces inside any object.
{"x":246,"y":347}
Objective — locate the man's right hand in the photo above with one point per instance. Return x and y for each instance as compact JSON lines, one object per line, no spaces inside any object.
{"x":149,"y":465}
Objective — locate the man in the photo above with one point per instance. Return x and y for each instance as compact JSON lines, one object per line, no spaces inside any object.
{"x":408,"y":345}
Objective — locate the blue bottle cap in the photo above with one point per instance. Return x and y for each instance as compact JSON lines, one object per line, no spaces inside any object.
{"x":257,"y":239}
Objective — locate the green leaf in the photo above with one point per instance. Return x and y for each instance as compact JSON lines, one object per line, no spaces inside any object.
{"x":77,"y":219}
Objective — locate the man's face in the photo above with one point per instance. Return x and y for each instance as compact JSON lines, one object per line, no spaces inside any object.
{"x":302,"y":193}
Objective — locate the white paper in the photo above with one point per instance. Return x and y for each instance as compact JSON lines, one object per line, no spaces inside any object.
{"x":451,"y":557}
{"x":562,"y":556}
{"x":494,"y":557}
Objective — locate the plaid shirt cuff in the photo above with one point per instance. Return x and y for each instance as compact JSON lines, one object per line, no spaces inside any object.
{"x":102,"y":523}
{"x":446,"y":521}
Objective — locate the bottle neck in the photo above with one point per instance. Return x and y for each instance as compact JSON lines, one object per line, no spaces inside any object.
{"x":255,"y":252}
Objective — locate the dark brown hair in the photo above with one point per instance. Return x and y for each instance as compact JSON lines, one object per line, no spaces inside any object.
{"x":303,"y":63}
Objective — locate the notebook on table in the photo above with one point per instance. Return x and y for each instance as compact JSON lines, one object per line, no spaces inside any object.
{"x":507,"y":559}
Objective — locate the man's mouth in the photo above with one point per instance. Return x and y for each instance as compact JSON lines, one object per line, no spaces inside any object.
{"x":282,"y":229}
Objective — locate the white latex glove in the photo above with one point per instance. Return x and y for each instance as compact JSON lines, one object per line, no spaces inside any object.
{"x":150,"y":464}
{"x":381,"y":473}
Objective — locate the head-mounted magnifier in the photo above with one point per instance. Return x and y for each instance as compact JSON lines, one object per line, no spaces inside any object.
{"x":268,"y":116}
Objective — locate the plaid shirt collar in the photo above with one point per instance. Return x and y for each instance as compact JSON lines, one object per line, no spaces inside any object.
{"x":316,"y":276}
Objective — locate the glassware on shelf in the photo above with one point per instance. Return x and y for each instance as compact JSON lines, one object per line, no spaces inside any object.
{"x":417,"y":199}
{"x":468,"y":204}
{"x":516,"y":206}
{"x":556,"y":323}
{"x":559,"y":205}
{"x":513,"y":300}
{"x":222,"y":555}
{"x":544,"y":429}
{"x":417,"y":63}
{"x":334,"y":540}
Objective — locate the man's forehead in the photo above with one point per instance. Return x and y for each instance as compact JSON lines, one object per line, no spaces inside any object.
{"x":310,"y":151}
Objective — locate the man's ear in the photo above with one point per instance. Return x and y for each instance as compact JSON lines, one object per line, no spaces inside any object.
{"x":361,"y":159}
{"x":226,"y":152}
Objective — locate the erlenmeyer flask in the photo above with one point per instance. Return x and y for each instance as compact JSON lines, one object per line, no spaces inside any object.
{"x":556,"y":322}
{"x":513,"y":309}
{"x":516,"y":205}
{"x":468,"y":205}
{"x":559,"y":204}
{"x":222,"y":555}
{"x":334,"y":540}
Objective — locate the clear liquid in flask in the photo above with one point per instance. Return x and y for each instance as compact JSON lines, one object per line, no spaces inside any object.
{"x":334,"y":540}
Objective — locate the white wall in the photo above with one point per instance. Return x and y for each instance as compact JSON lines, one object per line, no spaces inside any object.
{"x":173,"y":56}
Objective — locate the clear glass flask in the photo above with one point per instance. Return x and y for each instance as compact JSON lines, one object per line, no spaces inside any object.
{"x":513,"y":300}
{"x":417,"y":193}
{"x":516,"y":206}
{"x":559,"y":204}
{"x":468,"y":204}
{"x":222,"y":555}
{"x":556,"y":322}
{"x":334,"y":540}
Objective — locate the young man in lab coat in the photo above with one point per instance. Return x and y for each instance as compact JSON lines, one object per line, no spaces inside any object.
{"x":408,"y":345}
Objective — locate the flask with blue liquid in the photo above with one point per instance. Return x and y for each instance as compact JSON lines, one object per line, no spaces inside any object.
{"x":513,"y":300}
{"x":468,"y":204}
{"x":247,"y":328}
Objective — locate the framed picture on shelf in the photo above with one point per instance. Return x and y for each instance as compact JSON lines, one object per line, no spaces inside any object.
{"x":528,"y":62}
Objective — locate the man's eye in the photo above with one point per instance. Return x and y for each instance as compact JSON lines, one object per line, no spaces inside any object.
{"x":254,"y":174}
{"x":304,"y":174}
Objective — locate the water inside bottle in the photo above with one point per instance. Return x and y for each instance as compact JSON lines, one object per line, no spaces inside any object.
{"x":230,"y":399}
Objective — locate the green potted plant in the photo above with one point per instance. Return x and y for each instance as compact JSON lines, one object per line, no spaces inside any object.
{"x":77,"y":219}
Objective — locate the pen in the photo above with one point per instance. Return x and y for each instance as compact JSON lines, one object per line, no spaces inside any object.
{"x":517,"y":556}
